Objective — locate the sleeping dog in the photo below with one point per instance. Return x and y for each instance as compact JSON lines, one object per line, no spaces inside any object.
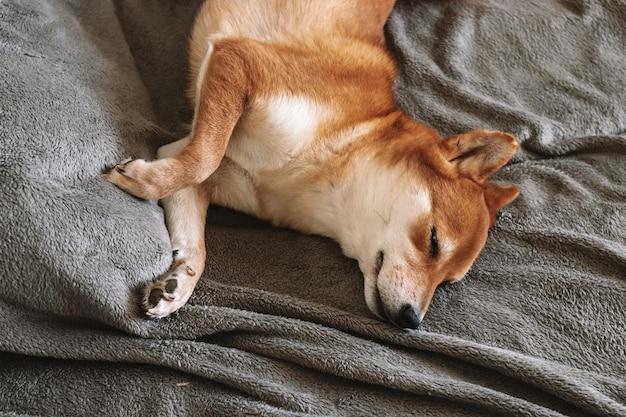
{"x":295,"y":123}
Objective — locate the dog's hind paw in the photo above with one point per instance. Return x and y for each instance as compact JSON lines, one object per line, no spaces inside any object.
{"x":170,"y":292}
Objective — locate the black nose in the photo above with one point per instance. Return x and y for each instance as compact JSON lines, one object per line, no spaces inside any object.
{"x":408,"y":318}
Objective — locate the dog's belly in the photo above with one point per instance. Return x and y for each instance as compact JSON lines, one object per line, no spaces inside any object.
{"x":273,"y":131}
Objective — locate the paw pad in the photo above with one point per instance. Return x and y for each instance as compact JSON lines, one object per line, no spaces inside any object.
{"x":155,"y":296}
{"x":170,"y":285}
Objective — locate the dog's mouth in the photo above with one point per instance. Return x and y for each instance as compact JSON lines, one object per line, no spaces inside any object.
{"x":378,"y":302}
{"x":379,"y":307}
{"x":408,"y":317}
{"x":380,"y":259}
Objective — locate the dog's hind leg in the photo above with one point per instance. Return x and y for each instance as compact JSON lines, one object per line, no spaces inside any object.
{"x":185,"y":214}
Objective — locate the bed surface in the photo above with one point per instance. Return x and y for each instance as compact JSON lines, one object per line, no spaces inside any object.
{"x":278,"y":324}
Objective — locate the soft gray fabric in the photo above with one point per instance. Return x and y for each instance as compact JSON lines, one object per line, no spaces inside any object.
{"x":278,"y":324}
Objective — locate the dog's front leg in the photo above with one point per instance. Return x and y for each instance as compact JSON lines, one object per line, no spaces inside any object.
{"x":185,"y":214}
{"x":221,"y":93}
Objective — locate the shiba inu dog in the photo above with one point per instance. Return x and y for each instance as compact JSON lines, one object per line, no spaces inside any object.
{"x":295,"y":123}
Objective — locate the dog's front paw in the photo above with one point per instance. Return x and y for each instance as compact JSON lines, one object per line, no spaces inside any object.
{"x":170,"y":292}
{"x":136,"y":177}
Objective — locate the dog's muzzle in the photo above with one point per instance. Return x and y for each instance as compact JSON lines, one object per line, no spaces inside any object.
{"x":408,"y":317}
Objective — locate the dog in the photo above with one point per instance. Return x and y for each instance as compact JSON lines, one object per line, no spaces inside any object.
{"x":295,"y":123}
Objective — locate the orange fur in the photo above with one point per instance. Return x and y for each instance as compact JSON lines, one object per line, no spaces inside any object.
{"x":295,"y":123}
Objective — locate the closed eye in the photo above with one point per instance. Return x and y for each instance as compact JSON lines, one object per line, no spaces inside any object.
{"x":434,"y":243}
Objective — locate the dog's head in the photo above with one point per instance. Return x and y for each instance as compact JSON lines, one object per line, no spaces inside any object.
{"x":426,"y":207}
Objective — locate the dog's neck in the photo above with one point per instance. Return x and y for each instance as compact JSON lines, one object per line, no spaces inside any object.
{"x":339,"y":183}
{"x":316,"y":203}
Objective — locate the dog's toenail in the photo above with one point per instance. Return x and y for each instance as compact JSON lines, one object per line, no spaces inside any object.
{"x":190,"y":271}
{"x":170,"y":285}
{"x":155,"y":296}
{"x":119,"y":169}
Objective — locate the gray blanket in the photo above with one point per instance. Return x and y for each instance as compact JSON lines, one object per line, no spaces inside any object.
{"x":278,"y":324}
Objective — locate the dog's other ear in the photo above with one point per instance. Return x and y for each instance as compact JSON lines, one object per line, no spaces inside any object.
{"x":479,"y":153}
{"x":498,"y":196}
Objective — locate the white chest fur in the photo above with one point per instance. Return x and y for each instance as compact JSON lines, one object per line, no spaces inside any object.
{"x":272,"y":131}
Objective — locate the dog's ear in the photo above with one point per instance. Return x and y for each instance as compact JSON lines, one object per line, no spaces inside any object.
{"x":479,"y":153}
{"x":498,"y":196}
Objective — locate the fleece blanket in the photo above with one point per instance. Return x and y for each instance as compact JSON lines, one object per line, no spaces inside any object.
{"x":278,"y":324}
